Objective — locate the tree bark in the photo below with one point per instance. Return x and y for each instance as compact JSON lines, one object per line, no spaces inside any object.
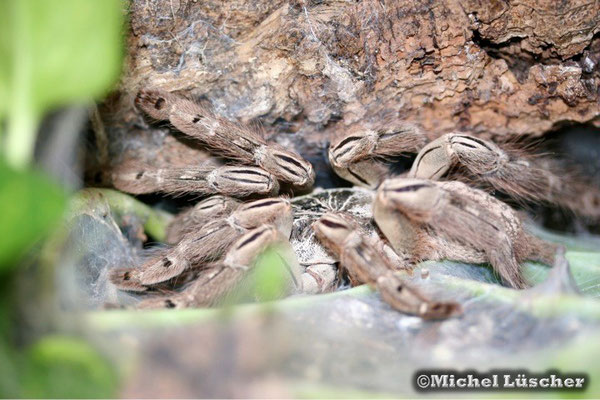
{"x":315,"y":70}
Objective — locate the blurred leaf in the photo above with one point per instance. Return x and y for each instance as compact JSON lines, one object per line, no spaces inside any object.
{"x":69,"y":48}
{"x":31,"y":204}
{"x":121,"y":204}
{"x":4,"y":67}
{"x":270,"y":276}
{"x":62,"y":367}
{"x":585,"y":267}
{"x":53,"y":53}
{"x":9,"y":382}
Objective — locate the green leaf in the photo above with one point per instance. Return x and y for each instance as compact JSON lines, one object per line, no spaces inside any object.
{"x":121,"y":204}
{"x":63,"y":367}
{"x":9,"y":382}
{"x":585,"y":267}
{"x":31,"y":205}
{"x":53,"y":53}
{"x":270,"y":276}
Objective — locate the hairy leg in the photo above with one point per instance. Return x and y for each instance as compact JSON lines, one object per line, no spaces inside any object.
{"x":366,"y":264}
{"x":227,"y":138}
{"x":238,"y":181}
{"x":459,"y":214}
{"x":359,"y":157}
{"x":522,"y":176}
{"x":207,"y":244}
{"x":217,"y":281}
{"x":210,"y":209}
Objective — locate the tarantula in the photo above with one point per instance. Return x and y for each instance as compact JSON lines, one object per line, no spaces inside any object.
{"x":260,"y":165}
{"x":523,"y":176}
{"x":217,"y":242}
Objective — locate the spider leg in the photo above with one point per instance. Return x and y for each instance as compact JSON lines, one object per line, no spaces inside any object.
{"x":237,"y":181}
{"x":218,"y":281}
{"x":404,"y":298}
{"x":359,"y":254}
{"x":458,"y":214}
{"x":126,"y":279}
{"x":540,"y":250}
{"x":205,"y":291}
{"x":366,"y":173}
{"x":208,"y":243}
{"x":401,"y":232}
{"x":207,"y":210}
{"x":357,"y":156}
{"x":522,"y":176}
{"x":194,"y":250}
{"x":319,"y":278}
{"x":433,"y":161}
{"x":503,"y":260}
{"x":227,"y":138}
{"x":344,"y":239}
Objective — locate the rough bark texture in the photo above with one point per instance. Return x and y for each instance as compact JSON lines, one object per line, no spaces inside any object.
{"x":317,"y":69}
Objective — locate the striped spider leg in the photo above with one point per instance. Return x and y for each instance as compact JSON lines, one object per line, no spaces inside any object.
{"x":219,"y":280}
{"x":319,"y":278}
{"x":209,"y":209}
{"x":358,"y":157}
{"x":431,"y":220}
{"x":362,"y":257}
{"x":205,"y":245}
{"x":516,"y":173}
{"x":237,"y":181}
{"x":226,"y":138}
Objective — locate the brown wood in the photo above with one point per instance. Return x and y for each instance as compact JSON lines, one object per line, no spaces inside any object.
{"x":318,"y":69}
